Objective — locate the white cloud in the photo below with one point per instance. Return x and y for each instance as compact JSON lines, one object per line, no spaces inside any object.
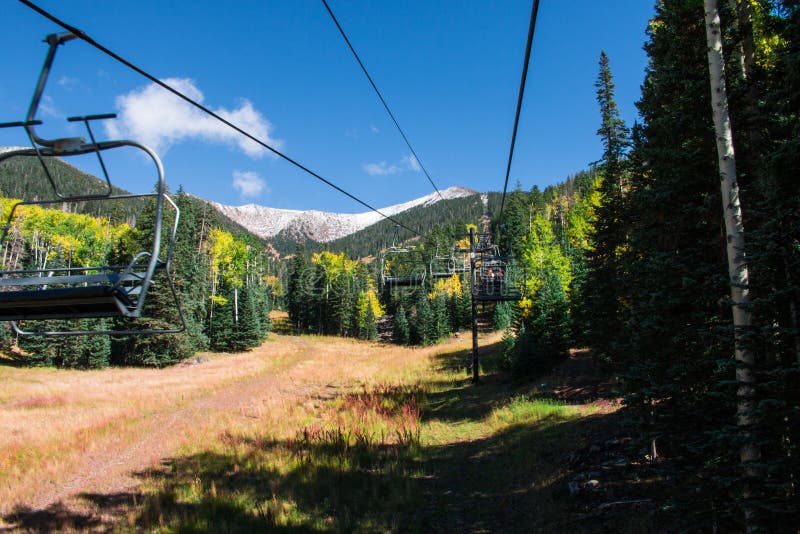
{"x":155,"y":117}
{"x":67,"y":82}
{"x":381,"y":168}
{"x":249,"y":184}
{"x":374,"y":129}
{"x":411,"y":163}
{"x":47,"y":107}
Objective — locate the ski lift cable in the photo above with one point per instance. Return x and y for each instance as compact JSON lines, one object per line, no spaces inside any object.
{"x":531,"y":29}
{"x":83,"y":36}
{"x":380,"y":96}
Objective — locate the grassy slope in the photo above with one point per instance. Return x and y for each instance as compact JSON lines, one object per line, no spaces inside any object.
{"x":415,"y":448}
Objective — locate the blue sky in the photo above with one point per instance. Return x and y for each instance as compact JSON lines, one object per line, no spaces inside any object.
{"x":448,"y":69}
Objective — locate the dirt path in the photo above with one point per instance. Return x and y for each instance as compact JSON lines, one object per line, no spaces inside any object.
{"x":227,"y":392}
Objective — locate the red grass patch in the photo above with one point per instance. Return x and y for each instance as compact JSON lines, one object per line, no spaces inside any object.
{"x":41,"y":401}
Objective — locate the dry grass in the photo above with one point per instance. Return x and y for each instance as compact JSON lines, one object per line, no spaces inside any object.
{"x":56,"y":423}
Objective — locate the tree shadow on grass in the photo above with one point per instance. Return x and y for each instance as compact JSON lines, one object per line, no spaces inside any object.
{"x":54,"y":518}
{"x":463,"y":400}
{"x":490,"y":357}
{"x":512,"y":481}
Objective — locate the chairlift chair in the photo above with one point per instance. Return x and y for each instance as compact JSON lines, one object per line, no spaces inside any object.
{"x":442,"y":266}
{"x":402,"y":267}
{"x":68,"y":292}
{"x":498,"y":278}
{"x":461,"y":261}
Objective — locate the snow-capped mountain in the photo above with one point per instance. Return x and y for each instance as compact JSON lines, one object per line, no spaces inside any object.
{"x":322,"y":226}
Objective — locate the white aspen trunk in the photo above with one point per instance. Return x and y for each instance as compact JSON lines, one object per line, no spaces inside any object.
{"x":235,"y":305}
{"x":734,"y":229}
{"x":202,"y":229}
{"x":213,"y":293}
{"x":734,"y":7}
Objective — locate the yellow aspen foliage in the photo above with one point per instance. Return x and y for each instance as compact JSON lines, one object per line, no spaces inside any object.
{"x":450,"y":287}
{"x":228,"y":257}
{"x":370,"y":299}
{"x":78,"y":239}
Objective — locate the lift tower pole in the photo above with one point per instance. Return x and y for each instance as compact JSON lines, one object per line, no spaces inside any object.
{"x":475,"y":358}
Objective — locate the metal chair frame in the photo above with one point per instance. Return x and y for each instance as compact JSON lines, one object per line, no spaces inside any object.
{"x":498,"y":278}
{"x":84,"y":292}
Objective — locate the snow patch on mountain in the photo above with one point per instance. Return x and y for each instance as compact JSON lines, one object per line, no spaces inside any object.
{"x":323,"y":226}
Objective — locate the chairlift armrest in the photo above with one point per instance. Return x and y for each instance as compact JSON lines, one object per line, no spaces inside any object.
{"x":68,"y":144}
{"x":82,"y":118}
{"x":19,"y":123}
{"x":128,"y":272}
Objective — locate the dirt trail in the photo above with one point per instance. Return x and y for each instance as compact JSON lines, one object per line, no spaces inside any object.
{"x":293,"y":370}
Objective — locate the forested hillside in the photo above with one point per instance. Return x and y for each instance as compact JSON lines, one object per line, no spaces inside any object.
{"x":24,"y":178}
{"x":453,"y":213}
{"x":226,"y":278}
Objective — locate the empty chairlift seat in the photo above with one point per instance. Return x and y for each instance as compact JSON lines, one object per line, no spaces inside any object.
{"x":402,"y":267}
{"x":66,"y":292}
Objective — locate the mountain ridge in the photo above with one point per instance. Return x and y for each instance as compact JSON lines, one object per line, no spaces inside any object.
{"x":358,"y":234}
{"x":323,"y":226}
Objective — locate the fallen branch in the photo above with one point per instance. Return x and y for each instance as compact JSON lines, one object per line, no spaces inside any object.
{"x":615,"y":503}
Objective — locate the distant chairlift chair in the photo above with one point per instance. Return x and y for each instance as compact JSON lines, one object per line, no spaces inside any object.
{"x":69,"y":293}
{"x":401,"y":267}
{"x":443,"y":266}
{"x":498,"y":278}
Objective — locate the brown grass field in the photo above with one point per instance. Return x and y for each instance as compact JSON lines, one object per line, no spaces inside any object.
{"x":303,"y":433}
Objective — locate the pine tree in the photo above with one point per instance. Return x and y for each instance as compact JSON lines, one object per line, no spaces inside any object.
{"x":246,"y":331}
{"x":191,"y":272}
{"x":222,"y":325}
{"x":401,"y":327}
{"x":96,"y":349}
{"x":672,"y":337}
{"x":502,"y":316}
{"x":299,"y":289}
{"x":602,"y":291}
{"x":370,"y":327}
{"x":440,"y":326}
{"x":767,"y":133}
{"x":423,"y":322}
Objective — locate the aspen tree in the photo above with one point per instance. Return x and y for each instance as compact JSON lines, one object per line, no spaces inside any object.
{"x":749,"y":453}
